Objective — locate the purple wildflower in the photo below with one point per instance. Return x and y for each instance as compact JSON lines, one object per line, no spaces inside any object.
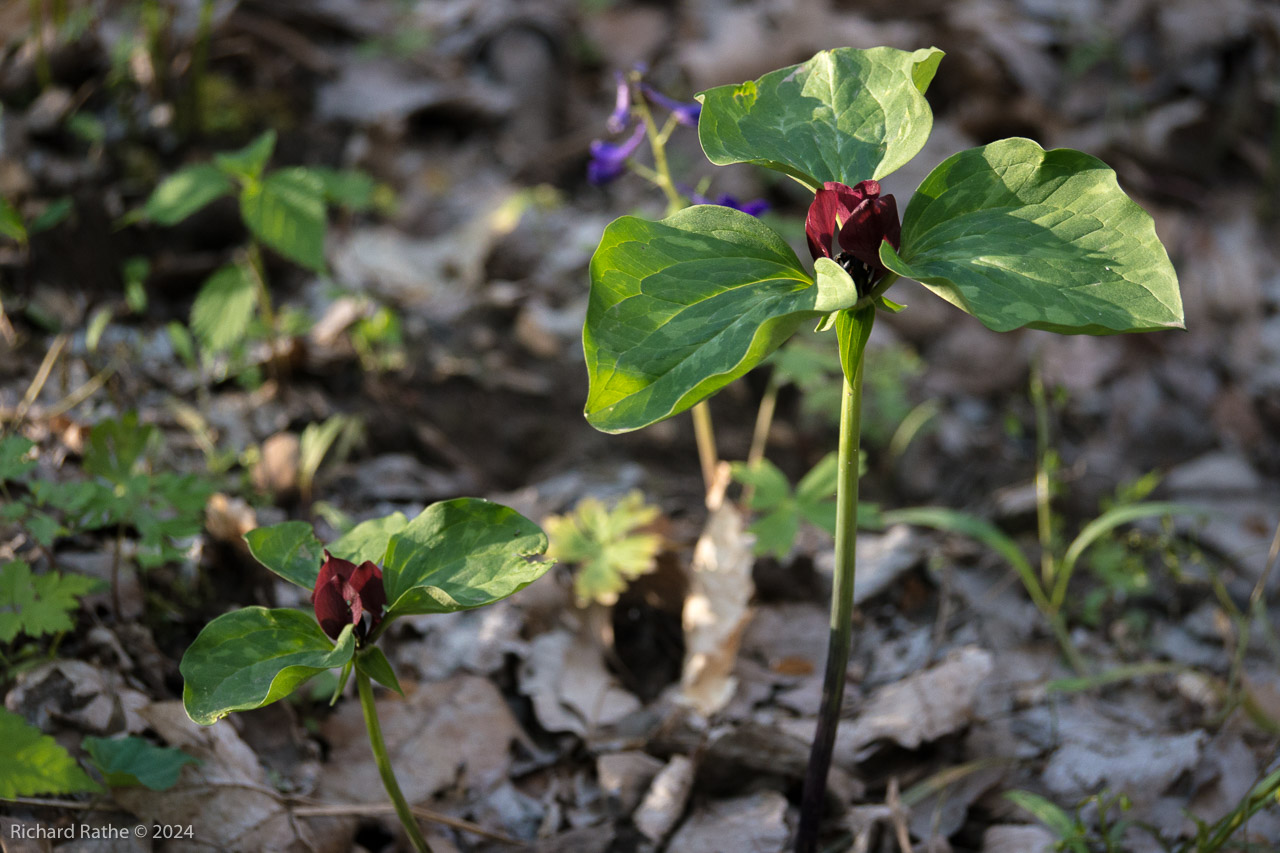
{"x":685,"y":113}
{"x":755,"y":207}
{"x":621,"y":115}
{"x":608,"y":161}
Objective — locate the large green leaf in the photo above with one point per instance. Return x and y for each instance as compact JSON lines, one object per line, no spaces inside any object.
{"x":290,"y":549}
{"x":251,"y":657}
{"x":186,"y":191}
{"x":221,"y":313}
{"x":130,"y":762}
{"x":34,"y":763}
{"x":682,"y":307}
{"x":1019,"y":236}
{"x":286,"y":211}
{"x":845,"y":115}
{"x":461,"y":554}
{"x":368,"y":539}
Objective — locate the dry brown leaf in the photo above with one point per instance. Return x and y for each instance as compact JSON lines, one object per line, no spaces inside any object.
{"x":565,"y":678}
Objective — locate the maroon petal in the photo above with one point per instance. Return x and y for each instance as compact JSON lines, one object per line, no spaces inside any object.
{"x":332,"y":610}
{"x":869,"y":224}
{"x":831,"y":206}
{"x":369,"y":595}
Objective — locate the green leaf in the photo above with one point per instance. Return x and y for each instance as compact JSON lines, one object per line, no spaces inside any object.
{"x":1052,"y":816}
{"x":251,"y":657}
{"x":349,"y":188}
{"x":782,"y":510}
{"x":373,"y":663}
{"x":53,"y":215}
{"x":15,"y":461}
{"x":221,"y":313}
{"x":845,"y":115}
{"x":247,"y":163}
{"x":682,"y":307}
{"x":368,"y":539}
{"x":461,"y":554}
{"x":286,"y":211}
{"x":35,"y":764}
{"x":11,"y":224}
{"x":116,"y":447}
{"x":184,"y":192}
{"x":769,"y":485}
{"x":605,"y":545}
{"x":290,"y":549}
{"x":130,"y":762}
{"x":853,"y":328}
{"x":37,"y":605}
{"x":1019,"y":236}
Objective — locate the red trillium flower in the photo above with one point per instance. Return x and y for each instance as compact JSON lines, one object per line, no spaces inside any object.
{"x":347,"y":594}
{"x":859,"y":219}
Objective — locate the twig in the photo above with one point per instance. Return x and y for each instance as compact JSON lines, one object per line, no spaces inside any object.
{"x":898,"y":814}
{"x":41,"y":377}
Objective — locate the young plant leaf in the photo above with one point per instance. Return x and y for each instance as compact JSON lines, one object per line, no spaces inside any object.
{"x":682,"y":307}
{"x":14,"y":460}
{"x":290,"y":549}
{"x":373,"y":663}
{"x":247,"y":163}
{"x":349,"y":188}
{"x":286,"y":211}
{"x":461,"y":554}
{"x":1019,"y":236}
{"x":35,"y":764}
{"x":781,"y":510}
{"x":116,"y":446}
{"x":221,"y":313}
{"x":37,"y":605}
{"x":603,"y":542}
{"x":252,"y":657}
{"x":11,"y":224}
{"x":132,"y":762}
{"x":186,"y":191}
{"x":367,"y":541}
{"x":845,"y":115}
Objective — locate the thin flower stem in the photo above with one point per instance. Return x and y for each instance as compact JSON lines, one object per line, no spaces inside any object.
{"x":705,"y":436}
{"x":658,"y":145}
{"x":760,"y":434}
{"x":840,"y":638}
{"x":1044,"y":486}
{"x":380,"y":757}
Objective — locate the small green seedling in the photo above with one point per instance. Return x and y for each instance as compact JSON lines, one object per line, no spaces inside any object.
{"x":283,"y":209}
{"x":1011,"y":233}
{"x":609,"y":545}
{"x":457,"y":555}
{"x":35,"y":763}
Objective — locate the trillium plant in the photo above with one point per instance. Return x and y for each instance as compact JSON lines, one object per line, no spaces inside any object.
{"x":1011,"y":233}
{"x":456,"y":555}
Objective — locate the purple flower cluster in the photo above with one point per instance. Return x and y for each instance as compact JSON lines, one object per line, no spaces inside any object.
{"x":609,"y":160}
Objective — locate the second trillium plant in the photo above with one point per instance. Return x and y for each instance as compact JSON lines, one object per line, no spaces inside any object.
{"x":456,"y":555}
{"x":1011,"y":233}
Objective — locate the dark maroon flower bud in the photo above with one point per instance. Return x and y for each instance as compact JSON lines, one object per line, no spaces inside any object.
{"x":347,"y":594}
{"x":860,"y":220}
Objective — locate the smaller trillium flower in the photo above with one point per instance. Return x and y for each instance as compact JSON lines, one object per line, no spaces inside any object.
{"x":859,"y":219}
{"x":755,"y":207}
{"x":685,"y":113}
{"x":347,"y":594}
{"x":621,"y":115}
{"x":609,"y":161}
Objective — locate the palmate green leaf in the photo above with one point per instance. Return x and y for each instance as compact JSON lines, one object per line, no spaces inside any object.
{"x":34,"y":763}
{"x":1019,"y":236}
{"x":461,"y":554}
{"x":221,"y":313}
{"x":116,"y":446}
{"x":37,"y":605}
{"x":605,"y":545}
{"x":845,"y":115}
{"x":286,"y":211}
{"x":186,"y":191}
{"x":290,"y":549}
{"x":781,"y":510}
{"x":252,"y":657}
{"x":368,"y":539}
{"x":682,"y":307}
{"x":131,"y":762}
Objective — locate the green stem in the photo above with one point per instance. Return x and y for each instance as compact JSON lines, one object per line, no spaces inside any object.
{"x":1044,"y":488}
{"x":384,"y":764}
{"x":705,"y":435}
{"x":840,"y":638}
